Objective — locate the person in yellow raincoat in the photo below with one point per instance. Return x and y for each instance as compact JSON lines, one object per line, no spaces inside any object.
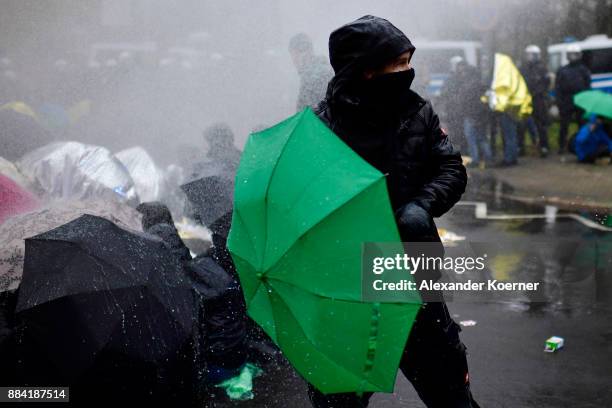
{"x":510,"y":97}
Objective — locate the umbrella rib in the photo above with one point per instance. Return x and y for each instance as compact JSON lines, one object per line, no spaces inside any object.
{"x":338,"y":208}
{"x":248,"y":301}
{"x":255,"y":293}
{"x":272,"y":173}
{"x":356,"y":377}
{"x":326,"y":170}
{"x":336,"y":299}
{"x":248,"y":234}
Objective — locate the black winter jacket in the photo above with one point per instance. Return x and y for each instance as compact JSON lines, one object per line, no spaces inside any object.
{"x":536,"y":77}
{"x":571,"y":79}
{"x":420,"y":161}
{"x":409,"y":146}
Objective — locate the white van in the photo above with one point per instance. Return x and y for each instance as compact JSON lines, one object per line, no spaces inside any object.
{"x":596,"y":54}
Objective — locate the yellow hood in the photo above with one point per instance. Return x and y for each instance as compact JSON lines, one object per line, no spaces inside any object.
{"x":508,"y":91}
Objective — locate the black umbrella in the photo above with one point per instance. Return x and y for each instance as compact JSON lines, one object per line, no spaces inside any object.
{"x":210,"y":197}
{"x":93,"y":290}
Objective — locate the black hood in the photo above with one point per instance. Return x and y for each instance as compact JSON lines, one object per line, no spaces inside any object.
{"x":366,"y":43}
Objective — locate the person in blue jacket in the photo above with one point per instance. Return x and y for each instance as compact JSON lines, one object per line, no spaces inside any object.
{"x":592,"y":141}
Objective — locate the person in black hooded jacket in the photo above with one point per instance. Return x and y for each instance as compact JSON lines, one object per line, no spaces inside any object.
{"x":370,"y":106}
{"x":157,"y":220}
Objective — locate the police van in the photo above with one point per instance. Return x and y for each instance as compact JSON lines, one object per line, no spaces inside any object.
{"x":596,"y":54}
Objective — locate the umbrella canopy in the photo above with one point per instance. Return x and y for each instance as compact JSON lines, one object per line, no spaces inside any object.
{"x":16,"y":229}
{"x":595,"y":102}
{"x":147,"y":177}
{"x":117,"y":292}
{"x":304,"y":204}
{"x":72,"y":170}
{"x":210,"y":198}
{"x":14,"y":199}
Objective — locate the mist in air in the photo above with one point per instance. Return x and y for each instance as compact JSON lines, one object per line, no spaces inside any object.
{"x":156,"y":73}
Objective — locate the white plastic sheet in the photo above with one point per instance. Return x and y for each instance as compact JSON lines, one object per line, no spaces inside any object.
{"x":72,"y":170}
{"x":148,"y":178}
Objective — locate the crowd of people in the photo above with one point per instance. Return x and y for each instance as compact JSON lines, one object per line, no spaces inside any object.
{"x":476,"y":127}
{"x":472,"y":124}
{"x":366,"y":91}
{"x":184,"y":203}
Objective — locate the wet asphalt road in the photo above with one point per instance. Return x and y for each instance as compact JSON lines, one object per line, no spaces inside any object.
{"x":508,"y":367}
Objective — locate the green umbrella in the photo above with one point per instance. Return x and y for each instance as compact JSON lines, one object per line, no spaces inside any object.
{"x":595,"y":102}
{"x":304,"y":204}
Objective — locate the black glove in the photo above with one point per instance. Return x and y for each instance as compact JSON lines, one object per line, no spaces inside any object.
{"x":415,"y":223}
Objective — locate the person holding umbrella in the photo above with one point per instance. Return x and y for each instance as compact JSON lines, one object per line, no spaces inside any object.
{"x":592,"y":140}
{"x":370,"y":106}
{"x":370,"y":165}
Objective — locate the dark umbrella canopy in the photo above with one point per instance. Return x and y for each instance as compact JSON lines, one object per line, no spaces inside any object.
{"x":210,"y":197}
{"x":14,"y":230}
{"x":91,"y":288}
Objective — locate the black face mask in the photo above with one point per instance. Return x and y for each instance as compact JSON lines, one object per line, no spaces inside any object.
{"x":387,"y":92}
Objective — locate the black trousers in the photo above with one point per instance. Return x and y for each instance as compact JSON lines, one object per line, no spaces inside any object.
{"x":565,"y":118}
{"x":434,"y":361}
{"x":539,"y":124}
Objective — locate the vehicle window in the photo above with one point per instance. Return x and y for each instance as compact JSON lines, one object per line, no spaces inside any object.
{"x":554,"y":60}
{"x":598,"y":61}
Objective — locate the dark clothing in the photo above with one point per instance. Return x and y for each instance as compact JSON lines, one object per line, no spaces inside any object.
{"x":366,"y":43}
{"x":226,"y":159}
{"x":509,"y":131}
{"x":450,"y":103}
{"x":536,"y":131}
{"x":462,"y":91}
{"x":536,"y":77}
{"x":572,"y":78}
{"x":565,"y":119}
{"x":465,"y":113}
{"x":222,"y":313}
{"x":406,"y":143}
{"x":426,"y":178}
{"x":260,"y":346}
{"x":417,"y":155}
{"x":219,"y":161}
{"x":8,"y":302}
{"x":219,"y":252}
{"x":154,"y":213}
{"x":157,"y":220}
{"x":170,"y":236}
{"x":222,"y":157}
{"x":314,"y":75}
